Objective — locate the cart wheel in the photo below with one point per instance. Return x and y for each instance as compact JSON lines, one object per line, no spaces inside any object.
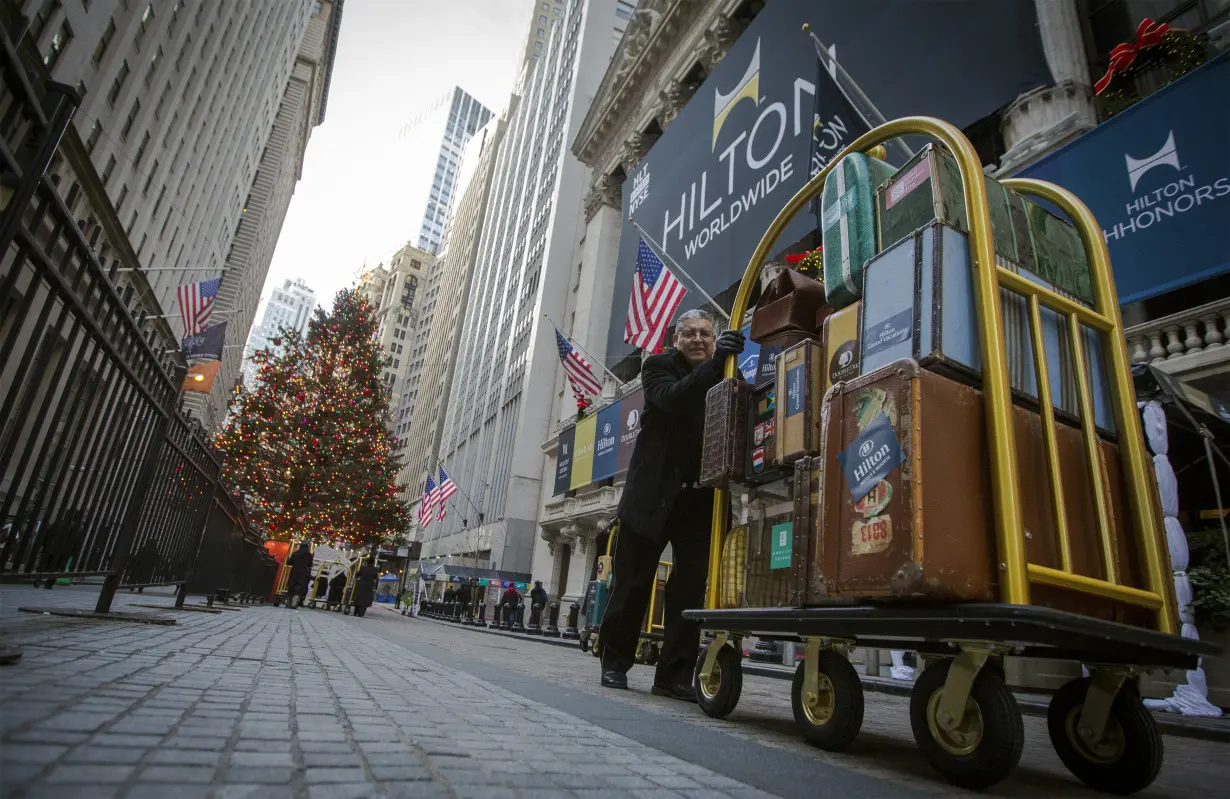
{"x":987,"y":746}
{"x":832,"y":720}
{"x":1129,"y":755}
{"x":642,"y":652}
{"x":651,"y":655}
{"x":584,"y":642}
{"x":718,"y":695}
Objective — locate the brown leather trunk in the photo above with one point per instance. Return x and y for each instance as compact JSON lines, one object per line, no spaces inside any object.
{"x":808,"y":483}
{"x":724,"y":453}
{"x":893,"y":545}
{"x":875,"y":547}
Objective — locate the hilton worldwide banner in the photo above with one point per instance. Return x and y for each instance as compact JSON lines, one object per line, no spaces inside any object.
{"x":748,"y":139}
{"x":599,"y":446}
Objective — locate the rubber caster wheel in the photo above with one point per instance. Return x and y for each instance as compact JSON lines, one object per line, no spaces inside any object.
{"x":832,"y":719}
{"x":718,"y":695}
{"x":986,"y":746}
{"x":651,"y":655}
{"x":584,"y":643}
{"x":1129,"y":754}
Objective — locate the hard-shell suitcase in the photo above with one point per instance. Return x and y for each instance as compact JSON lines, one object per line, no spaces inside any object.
{"x":919,"y":303}
{"x":790,"y":309}
{"x":762,"y":436}
{"x":893,"y":438}
{"x":724,"y":453}
{"x":847,"y":221}
{"x":800,"y":371}
{"x":928,"y":189}
{"x":841,"y":345}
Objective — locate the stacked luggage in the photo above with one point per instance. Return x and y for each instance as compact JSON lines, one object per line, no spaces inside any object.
{"x":874,"y":404}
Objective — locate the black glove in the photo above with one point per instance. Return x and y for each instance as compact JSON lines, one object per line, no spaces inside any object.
{"x":729,"y":343}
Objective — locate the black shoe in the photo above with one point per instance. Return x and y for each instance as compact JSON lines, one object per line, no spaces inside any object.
{"x":681,"y":691}
{"x":614,"y":679}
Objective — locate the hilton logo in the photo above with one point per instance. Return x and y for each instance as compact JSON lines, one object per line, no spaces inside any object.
{"x":1166,"y":156}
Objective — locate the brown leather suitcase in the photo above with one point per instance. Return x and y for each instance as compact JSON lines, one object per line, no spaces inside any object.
{"x":808,"y":484}
{"x":791,"y":306}
{"x":800,"y":373}
{"x":891,"y":544}
{"x":904,"y":433}
{"x":724,"y":452}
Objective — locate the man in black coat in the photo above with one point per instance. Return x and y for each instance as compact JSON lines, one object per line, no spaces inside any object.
{"x":297,"y":583}
{"x":365,"y":586}
{"x":662,"y":502}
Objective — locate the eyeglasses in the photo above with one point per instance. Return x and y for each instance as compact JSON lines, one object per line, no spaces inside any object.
{"x":693,"y":333}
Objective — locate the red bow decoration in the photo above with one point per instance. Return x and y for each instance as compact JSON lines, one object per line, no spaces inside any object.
{"x":794,"y":259}
{"x":1148,"y":34}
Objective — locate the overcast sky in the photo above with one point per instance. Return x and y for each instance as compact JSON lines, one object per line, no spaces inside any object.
{"x":363,"y":187}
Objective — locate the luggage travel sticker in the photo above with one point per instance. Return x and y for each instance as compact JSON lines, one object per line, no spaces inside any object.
{"x":869,"y":403}
{"x":844,"y":363}
{"x":876,"y":500}
{"x":911,"y":180}
{"x":869,"y":536}
{"x":758,"y":459}
{"x":783,"y":544}
{"x":893,"y":330}
{"x":870,"y":457}
{"x":758,"y":435}
{"x":794,"y":390}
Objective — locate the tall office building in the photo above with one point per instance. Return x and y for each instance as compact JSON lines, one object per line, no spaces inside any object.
{"x":395,"y":293}
{"x":420,"y":416}
{"x":196,"y":116}
{"x":289,"y":308}
{"x":505,"y":371}
{"x":465,"y":116}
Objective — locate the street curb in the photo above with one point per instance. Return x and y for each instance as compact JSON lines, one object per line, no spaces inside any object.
{"x":1031,"y":704}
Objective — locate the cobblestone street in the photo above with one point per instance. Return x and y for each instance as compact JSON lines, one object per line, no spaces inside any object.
{"x":267,"y":702}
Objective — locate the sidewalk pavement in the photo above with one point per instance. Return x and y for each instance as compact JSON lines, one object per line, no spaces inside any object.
{"x":268,"y":702}
{"x":1032,"y":703}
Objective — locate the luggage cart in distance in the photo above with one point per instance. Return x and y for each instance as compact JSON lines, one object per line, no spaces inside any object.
{"x":964,"y":718}
{"x":649,"y":642}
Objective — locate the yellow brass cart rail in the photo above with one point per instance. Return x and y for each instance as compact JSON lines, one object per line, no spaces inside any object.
{"x":1016,"y":572}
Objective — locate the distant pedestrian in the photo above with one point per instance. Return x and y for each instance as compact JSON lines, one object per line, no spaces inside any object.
{"x":300,"y":563}
{"x":365,"y":586}
{"x":465,"y":596}
{"x":509,"y":601}
{"x":538,"y":596}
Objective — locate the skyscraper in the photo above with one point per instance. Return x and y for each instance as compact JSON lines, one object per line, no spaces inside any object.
{"x":504,"y":373}
{"x":395,"y":293}
{"x":289,"y":308}
{"x":419,"y":422}
{"x":465,"y":116}
{"x":196,"y":116}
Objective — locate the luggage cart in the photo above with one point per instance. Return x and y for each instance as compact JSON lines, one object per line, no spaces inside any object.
{"x":649,"y":643}
{"x":963,"y":716}
{"x":344,"y":603}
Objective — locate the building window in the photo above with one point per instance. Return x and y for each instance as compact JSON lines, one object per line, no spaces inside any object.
{"x":153,"y":65}
{"x":58,"y":43}
{"x":118,"y":83}
{"x":147,"y":17}
{"x":132,"y":117}
{"x":100,"y":49}
{"x":150,"y":179}
{"x":183,"y":53}
{"x":92,"y":141}
{"x":107,"y":170}
{"x":537,"y":45}
{"x":119,"y":201}
{"x":141,"y":149}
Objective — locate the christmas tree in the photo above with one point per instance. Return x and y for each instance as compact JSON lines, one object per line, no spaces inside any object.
{"x":309,"y":447}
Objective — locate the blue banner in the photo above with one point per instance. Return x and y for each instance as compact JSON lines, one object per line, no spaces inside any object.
{"x":1157,"y":178}
{"x":606,"y":442}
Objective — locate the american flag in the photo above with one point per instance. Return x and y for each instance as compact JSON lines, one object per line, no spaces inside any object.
{"x":196,"y":304}
{"x":580,"y":375}
{"x":447,"y":489}
{"x":428,"y":501}
{"x":656,"y":293}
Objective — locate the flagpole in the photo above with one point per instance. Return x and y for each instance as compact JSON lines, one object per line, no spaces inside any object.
{"x":662,"y":251}
{"x":584,"y":352}
{"x":862,"y":105}
{"x":439,"y":466}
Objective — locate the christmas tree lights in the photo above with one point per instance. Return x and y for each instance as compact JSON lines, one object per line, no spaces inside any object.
{"x":308,"y":447}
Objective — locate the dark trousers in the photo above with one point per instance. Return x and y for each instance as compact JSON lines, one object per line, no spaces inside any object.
{"x":635,"y":571}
